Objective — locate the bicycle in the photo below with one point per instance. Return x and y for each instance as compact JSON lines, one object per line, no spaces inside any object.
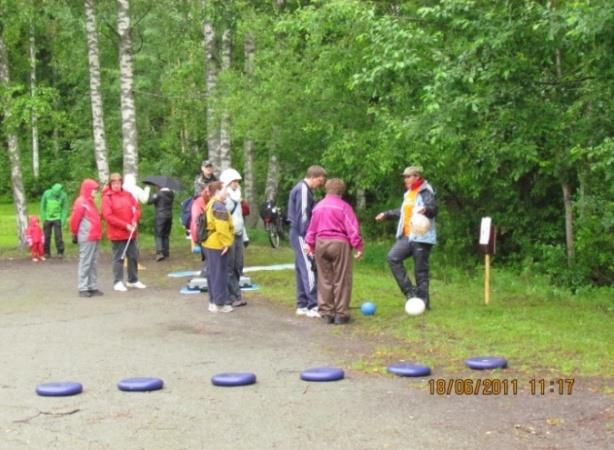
{"x":272,"y":216}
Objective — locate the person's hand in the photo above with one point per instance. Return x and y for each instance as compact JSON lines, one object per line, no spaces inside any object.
{"x":380,"y":217}
{"x":131,"y":227}
{"x":245,"y":244}
{"x":224,"y":250}
{"x":307,"y":249}
{"x":358,"y":255}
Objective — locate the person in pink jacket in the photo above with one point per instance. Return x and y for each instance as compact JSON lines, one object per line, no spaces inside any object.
{"x":86,"y":228}
{"x":332,"y":234}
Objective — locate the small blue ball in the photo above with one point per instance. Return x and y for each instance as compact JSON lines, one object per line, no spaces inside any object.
{"x":196,"y":249}
{"x":368,"y":308}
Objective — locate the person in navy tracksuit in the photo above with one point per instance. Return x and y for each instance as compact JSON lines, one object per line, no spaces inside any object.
{"x":300,"y":206}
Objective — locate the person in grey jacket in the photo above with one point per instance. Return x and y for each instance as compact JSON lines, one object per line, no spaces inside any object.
{"x":413,"y":240}
{"x":231,"y":180}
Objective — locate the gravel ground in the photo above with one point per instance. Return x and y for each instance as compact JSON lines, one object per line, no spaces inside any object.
{"x":49,"y":334}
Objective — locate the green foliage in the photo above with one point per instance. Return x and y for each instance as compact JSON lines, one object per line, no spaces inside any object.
{"x":501,"y":102}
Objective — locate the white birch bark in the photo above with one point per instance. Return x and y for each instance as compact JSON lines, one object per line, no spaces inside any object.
{"x":225,"y":157}
{"x":34,"y":116}
{"x":210,"y":88}
{"x":93,"y":55}
{"x":272,"y":177}
{"x":128,"y":110}
{"x":249,"y":181}
{"x":19,"y":197}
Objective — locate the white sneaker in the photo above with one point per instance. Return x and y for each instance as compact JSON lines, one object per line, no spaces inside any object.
{"x":136,"y":284}
{"x":213,"y":308}
{"x":313,"y":313}
{"x":119,"y":286}
{"x":301,"y":311}
{"x":226,"y":309}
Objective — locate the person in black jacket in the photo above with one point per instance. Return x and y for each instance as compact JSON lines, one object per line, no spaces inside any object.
{"x":163,"y":201}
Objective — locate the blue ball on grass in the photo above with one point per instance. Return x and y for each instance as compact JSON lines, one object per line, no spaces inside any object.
{"x":368,"y":308}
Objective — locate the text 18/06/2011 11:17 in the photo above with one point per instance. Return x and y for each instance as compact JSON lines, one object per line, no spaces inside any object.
{"x":499,"y":386}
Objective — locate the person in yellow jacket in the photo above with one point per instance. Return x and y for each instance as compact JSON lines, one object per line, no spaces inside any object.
{"x":220,"y":238}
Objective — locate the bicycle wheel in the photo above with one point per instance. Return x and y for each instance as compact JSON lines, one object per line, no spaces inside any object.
{"x":271,"y":230}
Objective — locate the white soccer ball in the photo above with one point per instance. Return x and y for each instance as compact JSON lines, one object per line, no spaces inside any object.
{"x":420,"y":224}
{"x":414,"y":306}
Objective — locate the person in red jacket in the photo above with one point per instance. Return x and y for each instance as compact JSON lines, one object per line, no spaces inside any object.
{"x":86,"y":228}
{"x":122,"y":212}
{"x":35,"y":239}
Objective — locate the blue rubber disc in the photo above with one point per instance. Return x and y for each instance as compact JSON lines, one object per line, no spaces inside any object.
{"x":322,"y":374}
{"x":409,"y":370}
{"x":486,"y":362}
{"x":59,"y":389}
{"x":233,"y":379}
{"x":140,"y":384}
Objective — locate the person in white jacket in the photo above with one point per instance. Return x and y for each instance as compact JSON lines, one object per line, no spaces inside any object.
{"x":232,"y":182}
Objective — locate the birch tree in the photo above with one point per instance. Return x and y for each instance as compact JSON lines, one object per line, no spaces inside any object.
{"x":19,"y":197}
{"x":100,"y":144}
{"x":225,"y":159}
{"x":210,"y":87}
{"x":128,"y":110}
{"x":34,"y":114}
{"x":249,"y":182}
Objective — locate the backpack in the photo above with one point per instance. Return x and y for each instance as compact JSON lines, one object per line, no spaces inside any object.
{"x":202,"y":233}
{"x":186,"y":212}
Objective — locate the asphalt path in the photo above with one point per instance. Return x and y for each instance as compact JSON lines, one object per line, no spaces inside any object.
{"x":47,"y":334}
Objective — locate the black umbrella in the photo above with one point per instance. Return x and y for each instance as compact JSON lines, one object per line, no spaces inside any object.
{"x":164,"y":181}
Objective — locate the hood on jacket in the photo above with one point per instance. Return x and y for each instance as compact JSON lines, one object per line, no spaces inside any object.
{"x":33,"y":220}
{"x":87,"y":187}
{"x":56,"y":188}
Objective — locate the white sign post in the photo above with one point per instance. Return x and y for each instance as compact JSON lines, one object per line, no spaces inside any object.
{"x":487,"y":245}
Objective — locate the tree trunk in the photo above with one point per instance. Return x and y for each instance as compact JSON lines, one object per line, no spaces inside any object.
{"x":361,"y":199}
{"x":19,"y":197}
{"x":100,"y":143}
{"x":272,"y":178}
{"x":225,"y":156}
{"x":129,"y":131}
{"x":249,"y":180}
{"x":571,"y":252}
{"x":210,"y":88}
{"x":34,"y":117}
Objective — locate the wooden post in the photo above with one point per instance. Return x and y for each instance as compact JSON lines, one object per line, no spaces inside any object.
{"x":486,"y":278}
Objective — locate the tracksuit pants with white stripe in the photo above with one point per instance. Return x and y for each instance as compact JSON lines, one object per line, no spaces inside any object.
{"x":306,"y":294}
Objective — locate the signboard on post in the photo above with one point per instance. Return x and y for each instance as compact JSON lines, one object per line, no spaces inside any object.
{"x":487,"y":243}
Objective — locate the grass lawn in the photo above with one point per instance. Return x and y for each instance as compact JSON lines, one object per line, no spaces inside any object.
{"x":539,"y":328}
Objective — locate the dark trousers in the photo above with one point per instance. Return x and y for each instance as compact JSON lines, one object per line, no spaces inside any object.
{"x":162,"y":232}
{"x":306,"y":296}
{"x":217,"y":276}
{"x":334,"y":261}
{"x":235,"y":268}
{"x":54,"y":226}
{"x":400,"y":251}
{"x":132,"y":255}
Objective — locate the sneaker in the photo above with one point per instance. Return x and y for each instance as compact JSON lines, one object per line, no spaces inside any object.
{"x":136,"y":284}
{"x":213,"y":308}
{"x":226,"y":309}
{"x":43,"y":258}
{"x":160,"y":257}
{"x":119,"y":286}
{"x":95,"y":293}
{"x":34,"y":259}
{"x":301,"y":311}
{"x":313,"y":313}
{"x":239,"y":302}
{"x":328,"y":319}
{"x":85,"y":294}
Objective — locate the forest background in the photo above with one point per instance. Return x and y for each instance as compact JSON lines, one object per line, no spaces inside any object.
{"x":507,"y":105}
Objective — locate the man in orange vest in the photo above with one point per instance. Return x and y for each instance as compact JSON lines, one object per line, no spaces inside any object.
{"x":413,"y":240}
